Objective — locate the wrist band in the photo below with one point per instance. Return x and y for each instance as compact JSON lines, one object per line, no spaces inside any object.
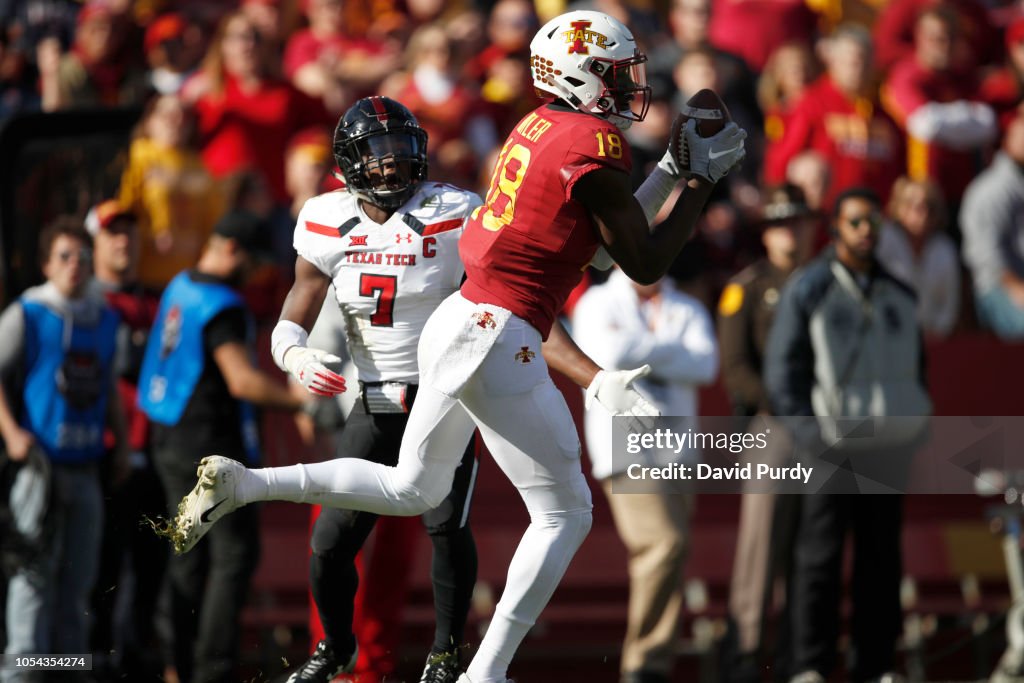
{"x":286,"y":334}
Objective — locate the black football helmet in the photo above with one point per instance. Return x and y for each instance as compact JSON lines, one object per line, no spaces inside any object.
{"x":381,"y":150}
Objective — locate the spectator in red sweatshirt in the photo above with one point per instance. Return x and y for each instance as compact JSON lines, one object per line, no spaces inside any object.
{"x":840,"y":117}
{"x":789,"y":72}
{"x":246,"y":114}
{"x":934,"y":101}
{"x":895,"y":29}
{"x":326,"y":61}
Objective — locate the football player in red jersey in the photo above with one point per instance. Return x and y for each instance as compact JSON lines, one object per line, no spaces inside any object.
{"x":560,"y":194}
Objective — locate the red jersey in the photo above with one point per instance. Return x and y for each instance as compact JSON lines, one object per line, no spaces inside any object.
{"x":242,"y":129}
{"x":894,"y":32}
{"x":861,"y":143}
{"x":777,"y":122}
{"x":527,"y":246}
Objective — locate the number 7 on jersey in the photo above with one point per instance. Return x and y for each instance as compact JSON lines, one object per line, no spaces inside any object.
{"x":383,"y":287}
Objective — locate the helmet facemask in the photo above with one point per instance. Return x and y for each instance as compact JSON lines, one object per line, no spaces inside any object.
{"x":626,"y":96}
{"x":384,"y":168}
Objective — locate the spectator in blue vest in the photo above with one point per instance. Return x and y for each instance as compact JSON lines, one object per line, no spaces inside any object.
{"x":58,"y":350}
{"x":198,"y":386}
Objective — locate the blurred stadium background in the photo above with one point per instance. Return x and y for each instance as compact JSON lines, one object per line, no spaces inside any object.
{"x":65,"y":155}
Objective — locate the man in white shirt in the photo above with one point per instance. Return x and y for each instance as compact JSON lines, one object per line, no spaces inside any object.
{"x":621,"y":324}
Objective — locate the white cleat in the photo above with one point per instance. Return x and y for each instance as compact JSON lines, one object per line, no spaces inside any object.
{"x":212,"y":498}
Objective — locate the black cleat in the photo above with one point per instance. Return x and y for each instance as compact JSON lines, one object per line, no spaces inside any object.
{"x":442,"y":668}
{"x":323,"y":665}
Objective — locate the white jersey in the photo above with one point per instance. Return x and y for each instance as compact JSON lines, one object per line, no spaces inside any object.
{"x":388,"y":278}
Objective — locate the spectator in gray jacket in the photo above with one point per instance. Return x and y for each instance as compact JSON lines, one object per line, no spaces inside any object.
{"x":992,"y":220}
{"x":846,"y":343}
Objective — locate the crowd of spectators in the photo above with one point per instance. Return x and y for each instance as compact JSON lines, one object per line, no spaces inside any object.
{"x":834,"y":93}
{"x":921,"y":101}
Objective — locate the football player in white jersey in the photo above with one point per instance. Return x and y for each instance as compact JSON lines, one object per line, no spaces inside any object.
{"x":389,"y":244}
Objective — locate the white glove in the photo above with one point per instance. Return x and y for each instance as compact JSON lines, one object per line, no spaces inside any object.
{"x":308,"y":367}
{"x":613,"y":390}
{"x":712,"y":158}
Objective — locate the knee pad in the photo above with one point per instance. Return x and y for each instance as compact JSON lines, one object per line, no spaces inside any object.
{"x":566,"y":507}
{"x":418,"y":489}
{"x":571,"y":525}
{"x":585,"y":520}
{"x":562,"y":498}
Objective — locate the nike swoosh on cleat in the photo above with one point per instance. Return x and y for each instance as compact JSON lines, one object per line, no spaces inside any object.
{"x":205,"y":517}
{"x":712,"y":154}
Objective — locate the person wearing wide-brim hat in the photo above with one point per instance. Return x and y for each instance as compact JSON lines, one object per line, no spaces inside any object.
{"x":767,"y":521}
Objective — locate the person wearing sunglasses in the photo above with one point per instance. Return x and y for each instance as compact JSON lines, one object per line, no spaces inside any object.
{"x":846,"y":344}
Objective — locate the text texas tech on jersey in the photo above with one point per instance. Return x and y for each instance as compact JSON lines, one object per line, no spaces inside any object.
{"x":387,"y":278}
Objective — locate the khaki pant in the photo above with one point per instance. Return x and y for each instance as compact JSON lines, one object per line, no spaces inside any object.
{"x":655,"y":531}
{"x":764,"y":545}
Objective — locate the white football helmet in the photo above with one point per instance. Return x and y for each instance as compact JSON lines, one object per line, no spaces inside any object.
{"x":591,"y":61}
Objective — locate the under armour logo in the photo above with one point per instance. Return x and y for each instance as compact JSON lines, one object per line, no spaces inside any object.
{"x":485,"y":319}
{"x":524,"y":355}
{"x":399,"y":236}
{"x":357,"y":240}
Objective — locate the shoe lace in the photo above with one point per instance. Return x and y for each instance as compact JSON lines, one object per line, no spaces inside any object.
{"x":442,"y":668}
{"x":322,"y":659}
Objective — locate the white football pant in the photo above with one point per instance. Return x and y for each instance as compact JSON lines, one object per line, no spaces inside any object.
{"x":530,"y":433}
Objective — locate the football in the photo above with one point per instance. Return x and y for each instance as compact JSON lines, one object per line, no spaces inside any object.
{"x":711,"y":114}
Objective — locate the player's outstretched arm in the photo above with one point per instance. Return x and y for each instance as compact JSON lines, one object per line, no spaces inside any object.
{"x":623,"y":217}
{"x":288,"y":341}
{"x":643,"y":254}
{"x":612,"y":389}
